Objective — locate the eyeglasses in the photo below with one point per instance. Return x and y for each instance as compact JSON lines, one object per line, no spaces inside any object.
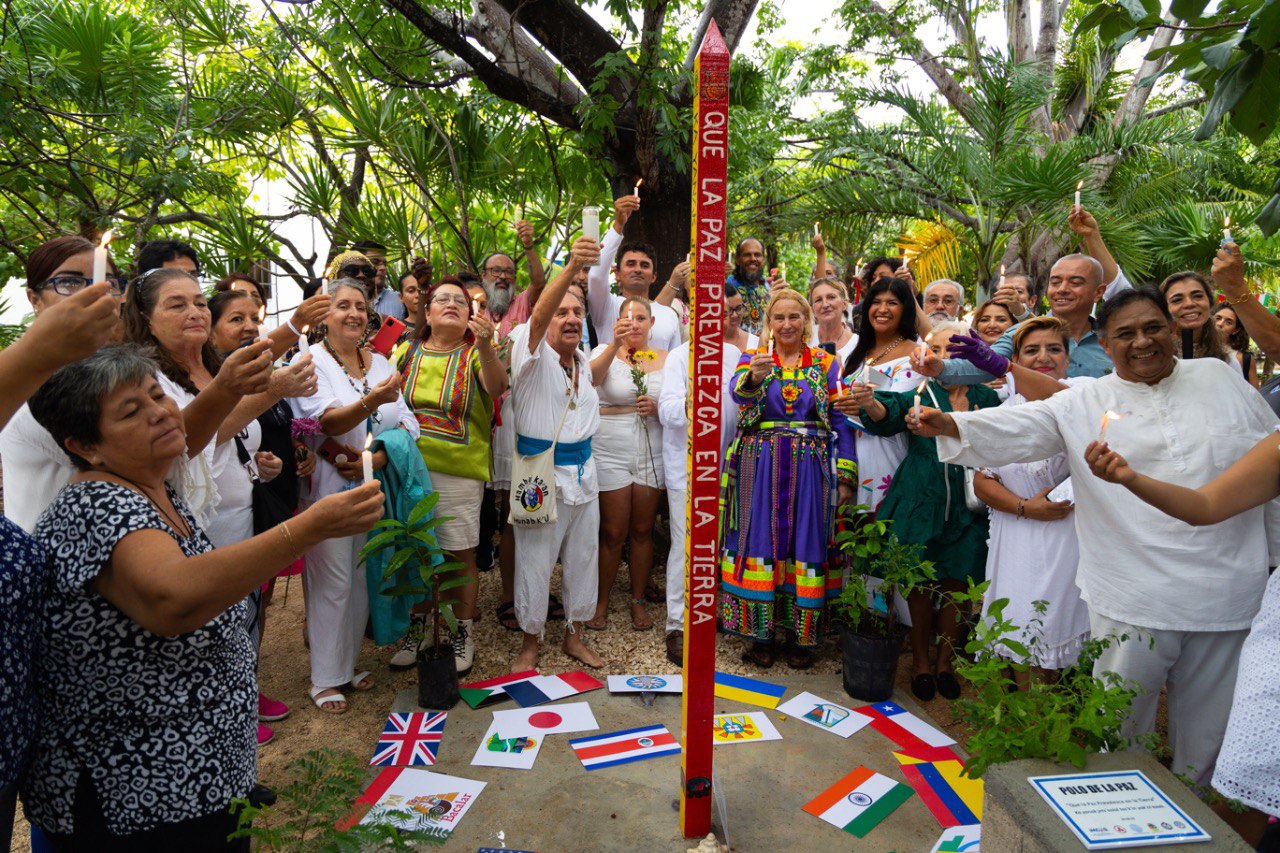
{"x":505,"y":272}
{"x":357,"y":271}
{"x":448,"y":299}
{"x":68,"y":283}
{"x":737,"y":311}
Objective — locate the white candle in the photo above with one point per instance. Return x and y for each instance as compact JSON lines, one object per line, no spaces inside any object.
{"x":917,"y":407}
{"x":1002,"y":275}
{"x":815,"y":228}
{"x":1079,"y":186}
{"x":591,"y":223}
{"x":304,"y":345}
{"x":475,"y":307}
{"x":262,"y":323}
{"x":771,"y":345}
{"x":1107,"y":417}
{"x":366,"y":459}
{"x":782,"y":271}
{"x":866,"y":374}
{"x":100,"y":258}
{"x":924,"y":347}
{"x":1226,"y":231}
{"x":636,"y":191}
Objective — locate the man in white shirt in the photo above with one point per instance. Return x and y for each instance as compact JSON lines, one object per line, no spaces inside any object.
{"x":555,"y":404}
{"x":636,"y":271}
{"x":1184,"y":596}
{"x":673,"y":412}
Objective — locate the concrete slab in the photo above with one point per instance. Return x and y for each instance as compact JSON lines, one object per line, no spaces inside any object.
{"x":1016,"y":819}
{"x":558,"y":806}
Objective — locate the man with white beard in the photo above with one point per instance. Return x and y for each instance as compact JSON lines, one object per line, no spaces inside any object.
{"x":508,"y":309}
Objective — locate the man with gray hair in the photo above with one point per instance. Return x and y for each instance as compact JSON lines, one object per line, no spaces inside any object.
{"x":943,"y":299}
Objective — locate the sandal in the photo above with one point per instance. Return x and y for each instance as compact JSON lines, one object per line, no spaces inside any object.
{"x":322,"y":702}
{"x":653,"y":595}
{"x":598,"y":624}
{"x":555,"y":609}
{"x":356,"y":679}
{"x":759,"y":654}
{"x":506,"y":613}
{"x":640,"y":626}
{"x":798,"y":658}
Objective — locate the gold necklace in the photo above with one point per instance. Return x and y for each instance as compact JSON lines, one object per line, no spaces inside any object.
{"x":885,"y":351}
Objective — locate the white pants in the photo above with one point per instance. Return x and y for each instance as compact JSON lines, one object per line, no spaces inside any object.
{"x":1199,"y":670}
{"x":675,"y":561}
{"x":575,"y":540}
{"x":337,"y":602}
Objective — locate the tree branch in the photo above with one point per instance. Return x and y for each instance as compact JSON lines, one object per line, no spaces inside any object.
{"x":947,"y":84}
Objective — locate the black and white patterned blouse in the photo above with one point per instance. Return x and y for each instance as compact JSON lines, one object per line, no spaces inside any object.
{"x":22,"y":569}
{"x":164,"y":726}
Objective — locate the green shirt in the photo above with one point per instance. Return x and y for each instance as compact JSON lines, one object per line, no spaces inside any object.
{"x":454,"y":412}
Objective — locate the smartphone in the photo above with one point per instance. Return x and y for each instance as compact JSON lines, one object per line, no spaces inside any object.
{"x":335,"y":452}
{"x":386,"y":338}
{"x":829,"y":347}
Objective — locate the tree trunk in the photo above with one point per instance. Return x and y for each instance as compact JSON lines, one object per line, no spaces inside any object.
{"x":663,"y":219}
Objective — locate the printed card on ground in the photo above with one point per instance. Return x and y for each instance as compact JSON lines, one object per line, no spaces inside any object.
{"x":561,"y":719}
{"x":903,"y":727}
{"x":414,"y":799}
{"x":859,"y":801}
{"x":409,"y":739}
{"x":743,"y":689}
{"x":624,"y":747}
{"x":548,"y":688}
{"x":959,"y":839}
{"x":646,"y":684}
{"x":829,"y":716}
{"x":752,"y":727}
{"x":508,"y":746}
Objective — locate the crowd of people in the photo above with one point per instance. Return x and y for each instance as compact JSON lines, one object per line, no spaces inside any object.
{"x":173,"y":457}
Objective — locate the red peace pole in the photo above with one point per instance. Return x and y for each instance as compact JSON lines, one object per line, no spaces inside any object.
{"x":702,"y":552}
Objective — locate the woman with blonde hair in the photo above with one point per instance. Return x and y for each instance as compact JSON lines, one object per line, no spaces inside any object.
{"x":792,"y":462}
{"x":829,"y":299}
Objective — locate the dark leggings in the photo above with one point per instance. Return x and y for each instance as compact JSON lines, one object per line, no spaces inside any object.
{"x":197,"y":835}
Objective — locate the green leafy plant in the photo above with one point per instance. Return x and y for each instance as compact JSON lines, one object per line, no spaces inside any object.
{"x":416,"y":554}
{"x":1063,"y":720}
{"x":312,"y":812}
{"x":875,"y":552}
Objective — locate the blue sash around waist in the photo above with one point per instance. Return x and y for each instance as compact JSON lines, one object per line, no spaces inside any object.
{"x":568,"y":454}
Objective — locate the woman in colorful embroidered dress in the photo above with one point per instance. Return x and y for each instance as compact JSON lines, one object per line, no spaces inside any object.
{"x":781,"y":490}
{"x":881,"y":357}
{"x":452,"y":374}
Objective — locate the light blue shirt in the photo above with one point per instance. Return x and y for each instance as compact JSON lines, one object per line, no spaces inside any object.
{"x":389,"y":304}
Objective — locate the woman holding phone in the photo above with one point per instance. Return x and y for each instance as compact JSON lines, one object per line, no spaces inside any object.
{"x":357,"y":396}
{"x":452,"y":374}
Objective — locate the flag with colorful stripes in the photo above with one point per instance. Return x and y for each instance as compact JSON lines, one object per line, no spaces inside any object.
{"x":859,"y":801}
{"x":548,"y":688}
{"x":478,"y":694}
{"x":951,"y":797}
{"x":752,"y":690}
{"x":903,"y":727}
{"x":623,"y":747}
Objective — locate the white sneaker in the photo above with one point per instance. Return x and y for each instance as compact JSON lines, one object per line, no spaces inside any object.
{"x":407,"y":655}
{"x":464,"y":647}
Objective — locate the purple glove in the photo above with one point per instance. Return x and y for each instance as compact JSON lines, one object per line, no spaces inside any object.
{"x":974,"y":350}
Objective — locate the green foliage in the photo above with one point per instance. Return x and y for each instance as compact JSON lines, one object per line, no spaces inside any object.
{"x":873,"y":551}
{"x":1064,"y":720}
{"x":309,"y":810}
{"x":415,"y":567}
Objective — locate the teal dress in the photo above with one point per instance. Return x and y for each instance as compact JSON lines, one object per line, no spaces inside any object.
{"x":925,"y":501}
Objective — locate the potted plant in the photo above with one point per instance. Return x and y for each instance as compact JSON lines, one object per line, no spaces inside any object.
{"x":870,"y":634}
{"x":417,"y":567}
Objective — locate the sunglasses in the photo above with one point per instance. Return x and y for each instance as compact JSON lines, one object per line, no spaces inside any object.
{"x":357,"y":271}
{"x":69,"y":283}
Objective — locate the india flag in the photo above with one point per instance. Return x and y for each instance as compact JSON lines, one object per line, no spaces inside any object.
{"x":859,"y":801}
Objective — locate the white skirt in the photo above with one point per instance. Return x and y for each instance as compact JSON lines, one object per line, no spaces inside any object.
{"x":628,"y":452}
{"x":459,"y":502}
{"x":504,"y":443}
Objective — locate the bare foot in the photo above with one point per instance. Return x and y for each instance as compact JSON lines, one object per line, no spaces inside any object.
{"x":528,"y":657}
{"x":640,"y":618}
{"x":576,"y":649}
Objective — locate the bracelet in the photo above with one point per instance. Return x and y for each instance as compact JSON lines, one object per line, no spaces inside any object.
{"x":288,"y":537}
{"x":289,"y":323}
{"x":1244,"y":297}
{"x":365,"y":406}
{"x":1022,"y":510}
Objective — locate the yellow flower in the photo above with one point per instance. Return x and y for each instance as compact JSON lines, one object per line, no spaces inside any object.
{"x":643,"y":355}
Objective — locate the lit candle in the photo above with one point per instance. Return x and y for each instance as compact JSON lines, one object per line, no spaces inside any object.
{"x":815,"y":228}
{"x":304,"y":345}
{"x":771,"y":345}
{"x":1002,"y":275}
{"x":782,"y":271}
{"x":366,"y":459}
{"x":262,"y":323}
{"x":1107,"y":417}
{"x":100,"y":258}
{"x":866,"y":374}
{"x":1226,"y":231}
{"x":924,"y":346}
{"x":1079,"y":187}
{"x":475,"y":307}
{"x":917,"y":407}
{"x":591,"y":223}
{"x":636,"y":191}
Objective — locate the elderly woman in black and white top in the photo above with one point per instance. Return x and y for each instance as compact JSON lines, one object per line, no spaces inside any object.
{"x":146,"y":669}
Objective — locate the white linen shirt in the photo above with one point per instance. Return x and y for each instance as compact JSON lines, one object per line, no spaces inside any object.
{"x":333,"y":391}
{"x":673,"y":412}
{"x":605,"y":306}
{"x":1138,"y":565}
{"x":35,"y":469}
{"x":538,"y":400}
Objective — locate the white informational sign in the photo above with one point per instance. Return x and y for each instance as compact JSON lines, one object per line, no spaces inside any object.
{"x":1118,"y":809}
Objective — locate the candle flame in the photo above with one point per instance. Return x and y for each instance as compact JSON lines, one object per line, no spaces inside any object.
{"x":262,"y":315}
{"x":1109,"y":416}
{"x":305,"y":329}
{"x":368,"y":441}
{"x":107,"y":237}
{"x":1079,"y":186}
{"x":1226,"y":223}
{"x":1002,"y":269}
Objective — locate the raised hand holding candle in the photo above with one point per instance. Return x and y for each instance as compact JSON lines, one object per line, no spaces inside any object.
{"x":1002,"y":275}
{"x":100,"y":258}
{"x":304,"y":345}
{"x":1226,"y":231}
{"x":1107,"y":417}
{"x":591,"y":223}
{"x":366,"y":458}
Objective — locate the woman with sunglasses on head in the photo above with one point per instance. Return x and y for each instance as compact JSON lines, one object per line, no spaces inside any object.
{"x":358,"y":396}
{"x":452,"y":374}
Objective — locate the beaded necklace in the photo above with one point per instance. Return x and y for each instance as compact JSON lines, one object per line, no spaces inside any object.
{"x":363,"y":388}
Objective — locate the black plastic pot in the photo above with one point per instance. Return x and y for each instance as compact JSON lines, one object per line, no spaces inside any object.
{"x":438,"y":680}
{"x":870,"y":663}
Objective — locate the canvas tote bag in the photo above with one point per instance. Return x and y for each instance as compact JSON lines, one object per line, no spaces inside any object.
{"x":533,"y":481}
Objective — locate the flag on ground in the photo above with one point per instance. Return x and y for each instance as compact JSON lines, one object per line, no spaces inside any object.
{"x":409,"y":739}
{"x":859,"y":801}
{"x":961,"y":839}
{"x":954,"y":799}
{"x":478,"y":694}
{"x":625,"y":746}
{"x":548,"y":688}
{"x":903,"y":727}
{"x":743,"y":689}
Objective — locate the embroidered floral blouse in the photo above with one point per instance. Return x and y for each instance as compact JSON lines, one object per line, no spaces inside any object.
{"x":454,"y":412}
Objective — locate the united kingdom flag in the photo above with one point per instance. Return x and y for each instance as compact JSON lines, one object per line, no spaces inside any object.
{"x":409,"y":739}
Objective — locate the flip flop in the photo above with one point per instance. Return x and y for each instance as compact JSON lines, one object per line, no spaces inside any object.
{"x":506,"y":613}
{"x":322,"y":702}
